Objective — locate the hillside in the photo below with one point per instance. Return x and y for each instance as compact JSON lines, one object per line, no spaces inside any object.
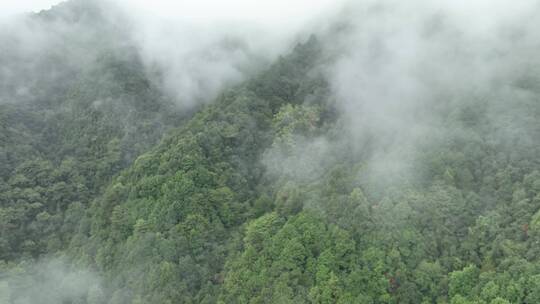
{"x":329,"y":176}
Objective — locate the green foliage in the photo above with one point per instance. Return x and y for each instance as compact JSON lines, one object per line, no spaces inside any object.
{"x":262,"y":196}
{"x":300,"y":260}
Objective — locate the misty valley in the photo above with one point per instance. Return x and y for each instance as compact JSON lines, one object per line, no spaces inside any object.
{"x":381,"y":151}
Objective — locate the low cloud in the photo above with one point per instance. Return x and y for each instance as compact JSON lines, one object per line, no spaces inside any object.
{"x":399,"y":67}
{"x":50,"y":282}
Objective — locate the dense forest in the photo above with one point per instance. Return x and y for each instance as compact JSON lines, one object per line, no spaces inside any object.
{"x":329,"y":175}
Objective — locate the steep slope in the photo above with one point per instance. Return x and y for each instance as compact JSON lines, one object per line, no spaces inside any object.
{"x":279,"y":191}
{"x":162,"y":230}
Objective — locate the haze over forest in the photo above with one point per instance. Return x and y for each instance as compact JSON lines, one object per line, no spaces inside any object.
{"x":370,"y":151}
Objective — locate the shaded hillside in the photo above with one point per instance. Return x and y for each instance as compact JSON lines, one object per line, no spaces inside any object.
{"x":79,"y":118}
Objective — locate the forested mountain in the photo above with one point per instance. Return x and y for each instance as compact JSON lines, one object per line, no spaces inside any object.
{"x":336,"y":174}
